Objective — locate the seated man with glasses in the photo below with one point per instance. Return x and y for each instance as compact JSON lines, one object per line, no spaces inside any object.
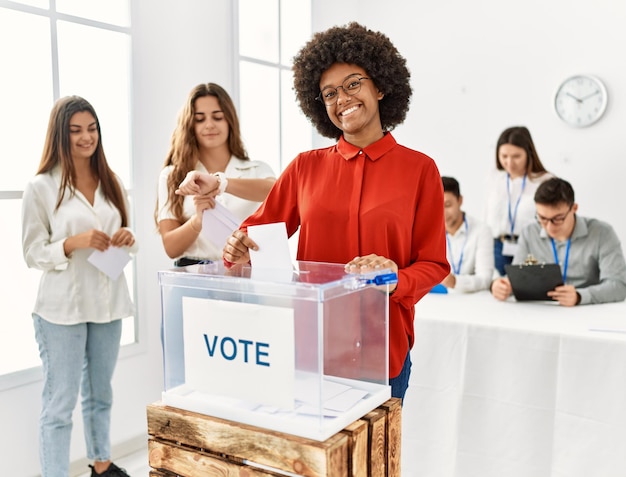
{"x":587,"y":250}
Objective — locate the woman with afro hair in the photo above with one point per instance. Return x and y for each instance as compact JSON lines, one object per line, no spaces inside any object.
{"x":366,"y":202}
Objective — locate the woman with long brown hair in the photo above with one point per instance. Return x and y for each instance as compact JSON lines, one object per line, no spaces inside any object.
{"x":207,"y":139}
{"x":73,"y":206}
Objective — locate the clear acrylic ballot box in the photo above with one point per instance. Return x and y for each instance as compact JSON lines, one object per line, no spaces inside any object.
{"x":301,"y":351}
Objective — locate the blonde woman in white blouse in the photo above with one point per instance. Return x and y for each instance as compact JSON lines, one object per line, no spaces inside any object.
{"x":510,"y":205}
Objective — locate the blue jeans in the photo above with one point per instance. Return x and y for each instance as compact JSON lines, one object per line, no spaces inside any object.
{"x":499,"y":259}
{"x":75,"y":356}
{"x":400,"y":383}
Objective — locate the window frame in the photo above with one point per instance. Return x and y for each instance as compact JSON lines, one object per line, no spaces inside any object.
{"x":281,"y":68}
{"x":34,"y":374}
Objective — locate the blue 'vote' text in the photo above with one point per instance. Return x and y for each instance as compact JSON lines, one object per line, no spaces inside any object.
{"x":229,"y":349}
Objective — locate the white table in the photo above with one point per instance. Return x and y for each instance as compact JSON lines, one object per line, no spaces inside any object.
{"x":507,"y":389}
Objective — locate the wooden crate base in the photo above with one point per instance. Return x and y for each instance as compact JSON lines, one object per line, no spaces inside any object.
{"x":187,"y":444}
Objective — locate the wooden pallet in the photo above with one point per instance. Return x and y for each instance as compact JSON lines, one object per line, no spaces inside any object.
{"x":188,"y":444}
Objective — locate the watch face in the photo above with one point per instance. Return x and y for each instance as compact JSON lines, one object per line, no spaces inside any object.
{"x":580,"y":100}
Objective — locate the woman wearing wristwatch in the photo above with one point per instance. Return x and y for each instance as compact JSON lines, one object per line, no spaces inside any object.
{"x":206,"y":139}
{"x":207,"y":142}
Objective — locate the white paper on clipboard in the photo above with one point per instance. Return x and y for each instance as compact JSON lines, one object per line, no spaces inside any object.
{"x":218,"y":224}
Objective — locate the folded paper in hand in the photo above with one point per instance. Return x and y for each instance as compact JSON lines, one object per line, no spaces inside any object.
{"x":111,"y":261}
{"x":218,"y":224}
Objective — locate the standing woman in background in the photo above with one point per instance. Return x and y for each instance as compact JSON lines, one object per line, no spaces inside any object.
{"x":510,"y":205}
{"x":207,"y":139}
{"x":73,"y":206}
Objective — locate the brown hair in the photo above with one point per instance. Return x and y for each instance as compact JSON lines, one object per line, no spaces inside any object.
{"x":183,"y":153}
{"x":520,"y":136}
{"x":57,"y":151}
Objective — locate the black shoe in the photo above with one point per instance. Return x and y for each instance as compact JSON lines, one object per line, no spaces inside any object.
{"x":112,"y":471}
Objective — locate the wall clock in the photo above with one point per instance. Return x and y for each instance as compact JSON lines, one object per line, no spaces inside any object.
{"x":581,"y":100}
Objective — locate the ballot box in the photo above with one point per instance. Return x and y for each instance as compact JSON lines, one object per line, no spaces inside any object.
{"x":301,"y":351}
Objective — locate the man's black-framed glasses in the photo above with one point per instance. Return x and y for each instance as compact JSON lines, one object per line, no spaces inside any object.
{"x":556,"y":220}
{"x":351,"y":86}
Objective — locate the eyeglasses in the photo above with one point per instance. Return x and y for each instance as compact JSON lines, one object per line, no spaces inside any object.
{"x":350,"y":86}
{"x":556,"y":220}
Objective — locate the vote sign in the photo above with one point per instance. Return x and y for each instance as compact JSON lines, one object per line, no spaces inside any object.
{"x":240,"y":350}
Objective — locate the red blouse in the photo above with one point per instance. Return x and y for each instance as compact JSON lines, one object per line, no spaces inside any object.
{"x":383,"y":199}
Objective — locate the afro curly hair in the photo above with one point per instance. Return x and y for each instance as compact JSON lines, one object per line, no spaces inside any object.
{"x":357,"y":45}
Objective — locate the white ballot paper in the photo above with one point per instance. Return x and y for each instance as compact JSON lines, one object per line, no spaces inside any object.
{"x":112,"y":261}
{"x":336,"y":398}
{"x":273,"y":252}
{"x":218,"y":224}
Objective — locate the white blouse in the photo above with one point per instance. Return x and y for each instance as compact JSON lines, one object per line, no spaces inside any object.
{"x":241,"y":208}
{"x":496,"y":214}
{"x":71,"y":289}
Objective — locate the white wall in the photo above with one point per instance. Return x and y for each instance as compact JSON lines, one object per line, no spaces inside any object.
{"x":176,"y":46}
{"x":477,"y":68}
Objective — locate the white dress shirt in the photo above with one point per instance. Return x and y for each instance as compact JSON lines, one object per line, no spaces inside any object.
{"x":241,"y":208}
{"x":498,"y":198}
{"x":472,"y":248}
{"x":71,"y":289}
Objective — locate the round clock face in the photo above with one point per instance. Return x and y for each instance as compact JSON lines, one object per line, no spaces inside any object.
{"x":580,"y":100}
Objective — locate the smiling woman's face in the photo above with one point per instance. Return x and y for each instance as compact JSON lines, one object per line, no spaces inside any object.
{"x":356,"y":115}
{"x":83,"y":135}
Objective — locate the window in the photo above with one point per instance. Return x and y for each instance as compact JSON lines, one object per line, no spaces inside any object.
{"x":61,"y":47}
{"x":270,"y":33}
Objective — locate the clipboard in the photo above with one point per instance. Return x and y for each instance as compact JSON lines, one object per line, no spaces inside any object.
{"x":532,"y":282}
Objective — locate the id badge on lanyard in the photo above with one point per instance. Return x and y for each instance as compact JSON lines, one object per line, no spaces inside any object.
{"x":509,"y":247}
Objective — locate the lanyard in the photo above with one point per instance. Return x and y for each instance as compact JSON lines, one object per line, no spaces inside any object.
{"x":556,"y":256}
{"x":456,"y":268}
{"x":513,"y":216}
